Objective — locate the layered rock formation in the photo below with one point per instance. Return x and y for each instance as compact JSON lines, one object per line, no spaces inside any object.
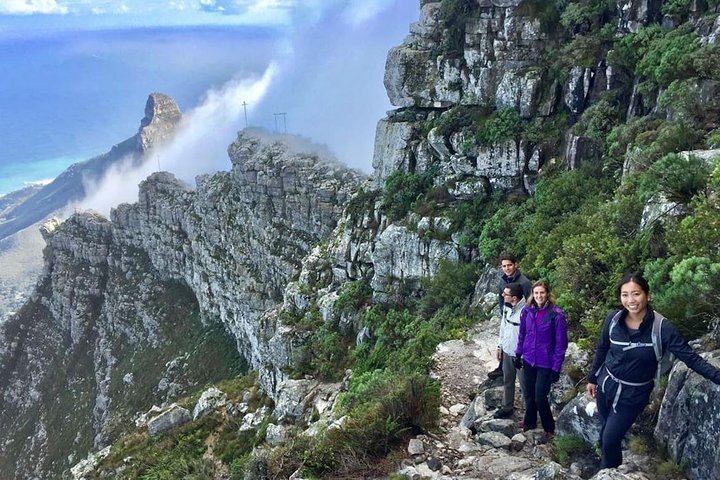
{"x":21,"y":212}
{"x":159,"y":301}
{"x":133,"y":309}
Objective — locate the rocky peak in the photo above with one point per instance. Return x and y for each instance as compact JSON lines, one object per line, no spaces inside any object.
{"x":162,"y":115}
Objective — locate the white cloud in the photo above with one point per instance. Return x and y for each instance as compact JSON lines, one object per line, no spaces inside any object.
{"x":359,"y":11}
{"x":198,"y":147}
{"x":29,"y":7}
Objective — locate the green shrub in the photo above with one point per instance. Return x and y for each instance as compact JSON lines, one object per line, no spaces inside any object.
{"x":679,"y":178}
{"x":566,"y":446}
{"x":686,"y":291}
{"x":670,"y":56}
{"x":503,"y":125}
{"x":586,"y":13}
{"x":629,"y":50}
{"x":353,"y":296}
{"x":676,"y":8}
{"x":402,"y":189}
{"x":598,"y":120}
{"x":450,"y":287}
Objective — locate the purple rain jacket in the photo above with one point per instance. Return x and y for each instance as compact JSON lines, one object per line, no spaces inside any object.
{"x":535,"y":339}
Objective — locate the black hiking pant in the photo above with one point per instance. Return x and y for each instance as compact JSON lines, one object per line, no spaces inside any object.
{"x":535,"y":383}
{"x":613,"y":427}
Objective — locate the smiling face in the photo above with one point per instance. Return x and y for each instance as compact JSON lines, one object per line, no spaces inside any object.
{"x":509,"y":268}
{"x":634,"y":299}
{"x":540,"y":295}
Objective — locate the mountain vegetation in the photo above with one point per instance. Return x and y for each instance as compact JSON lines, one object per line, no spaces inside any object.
{"x":596,"y":155}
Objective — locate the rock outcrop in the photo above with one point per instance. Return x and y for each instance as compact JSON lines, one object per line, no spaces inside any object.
{"x":689,"y":420}
{"x":166,"y":297}
{"x":162,"y":115}
{"x":188,"y":285}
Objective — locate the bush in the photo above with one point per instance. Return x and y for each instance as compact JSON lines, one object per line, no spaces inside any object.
{"x":670,"y":56}
{"x":566,"y":446}
{"x":678,"y":9}
{"x":679,"y":178}
{"x":353,"y":296}
{"x":402,"y":189}
{"x":587,"y":13}
{"x":503,"y":125}
{"x":451,"y":287}
{"x":598,"y":120}
{"x":686,"y":290}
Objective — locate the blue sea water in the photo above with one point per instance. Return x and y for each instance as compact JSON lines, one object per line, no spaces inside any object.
{"x":66,"y":96}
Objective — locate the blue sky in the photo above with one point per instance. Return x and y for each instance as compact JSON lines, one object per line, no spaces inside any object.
{"x":128,"y":13}
{"x":327,"y":59}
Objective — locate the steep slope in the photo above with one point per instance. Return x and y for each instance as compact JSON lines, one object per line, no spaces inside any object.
{"x":161,"y":300}
{"x":161,"y":116}
{"x":22,"y":212}
{"x":506,"y":112}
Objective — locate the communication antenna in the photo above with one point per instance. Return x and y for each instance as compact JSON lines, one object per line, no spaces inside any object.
{"x":244,"y":104}
{"x":283,"y":114}
{"x":157,"y":157}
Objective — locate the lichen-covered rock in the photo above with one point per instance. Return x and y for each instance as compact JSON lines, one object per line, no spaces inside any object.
{"x":689,"y":420}
{"x":209,"y":399}
{"x":580,"y":418}
{"x":402,"y":256}
{"x":168,"y":420}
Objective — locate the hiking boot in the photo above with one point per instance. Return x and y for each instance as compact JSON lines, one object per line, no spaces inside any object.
{"x":497,"y":373}
{"x":503,"y":413}
{"x":521,"y":425}
{"x":547,"y":437}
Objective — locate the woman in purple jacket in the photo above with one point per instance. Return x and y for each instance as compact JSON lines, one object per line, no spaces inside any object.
{"x":542,"y":343}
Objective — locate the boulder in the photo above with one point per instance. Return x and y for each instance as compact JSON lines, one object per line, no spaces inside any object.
{"x":171,"y":418}
{"x":581,"y":419}
{"x":689,"y":420}
{"x":209,"y":400}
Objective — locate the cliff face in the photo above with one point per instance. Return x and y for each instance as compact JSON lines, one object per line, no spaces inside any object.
{"x":158,"y":302}
{"x":191,"y":285}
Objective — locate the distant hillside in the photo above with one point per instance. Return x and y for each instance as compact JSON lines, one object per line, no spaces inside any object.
{"x":20,"y":209}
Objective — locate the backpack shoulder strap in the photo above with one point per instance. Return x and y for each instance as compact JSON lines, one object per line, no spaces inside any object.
{"x":613,"y":321}
{"x":657,"y":335}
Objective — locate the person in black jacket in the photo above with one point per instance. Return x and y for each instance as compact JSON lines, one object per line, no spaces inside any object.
{"x":511,"y":274}
{"x":623,"y":372}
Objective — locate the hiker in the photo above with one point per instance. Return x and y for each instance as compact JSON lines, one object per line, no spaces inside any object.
{"x":511,"y":274}
{"x":509,"y":328}
{"x":626,"y":364}
{"x":542,"y":342}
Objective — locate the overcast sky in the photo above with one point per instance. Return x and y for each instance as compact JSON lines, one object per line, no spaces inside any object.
{"x":56,"y":13}
{"x":325,"y":74}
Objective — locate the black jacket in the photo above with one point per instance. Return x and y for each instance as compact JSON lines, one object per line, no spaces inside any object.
{"x":638,"y":365}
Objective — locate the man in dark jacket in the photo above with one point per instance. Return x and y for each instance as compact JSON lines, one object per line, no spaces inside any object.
{"x":511,"y":274}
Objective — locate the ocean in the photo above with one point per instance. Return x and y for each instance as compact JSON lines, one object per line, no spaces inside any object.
{"x":66,"y":96}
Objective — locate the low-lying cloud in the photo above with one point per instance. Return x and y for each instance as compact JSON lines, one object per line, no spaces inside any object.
{"x":199,"y":145}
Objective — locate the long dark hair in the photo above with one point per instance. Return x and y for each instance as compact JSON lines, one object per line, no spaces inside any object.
{"x":550,"y":297}
{"x":634,"y":278}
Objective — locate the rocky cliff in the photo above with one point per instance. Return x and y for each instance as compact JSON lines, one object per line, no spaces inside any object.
{"x":161,"y":116}
{"x":162,"y":299}
{"x":287,"y":245}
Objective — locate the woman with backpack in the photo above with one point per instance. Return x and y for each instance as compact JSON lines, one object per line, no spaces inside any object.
{"x":542,"y":342}
{"x":626,"y":363}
